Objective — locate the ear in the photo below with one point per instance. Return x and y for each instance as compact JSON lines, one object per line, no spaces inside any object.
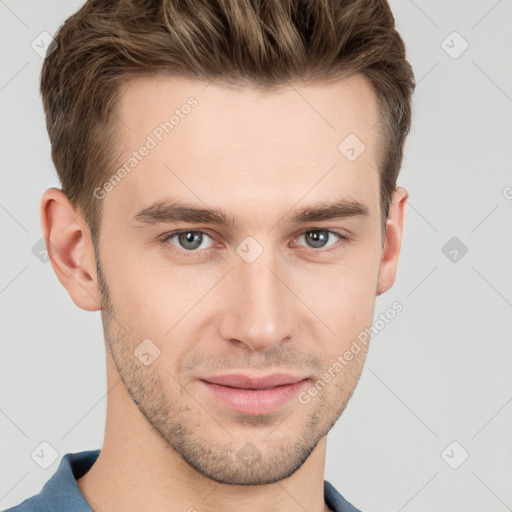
{"x":70,"y":250}
{"x":392,"y":241}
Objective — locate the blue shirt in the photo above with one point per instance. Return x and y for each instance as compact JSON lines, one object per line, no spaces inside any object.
{"x":62,"y":494}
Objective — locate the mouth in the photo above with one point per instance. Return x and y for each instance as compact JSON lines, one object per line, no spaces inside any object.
{"x":254,"y":395}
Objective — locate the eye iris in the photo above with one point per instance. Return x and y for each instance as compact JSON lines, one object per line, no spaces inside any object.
{"x":318,"y":238}
{"x":190,"y":237}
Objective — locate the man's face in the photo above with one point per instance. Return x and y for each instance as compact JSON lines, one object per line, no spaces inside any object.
{"x":263,"y":306}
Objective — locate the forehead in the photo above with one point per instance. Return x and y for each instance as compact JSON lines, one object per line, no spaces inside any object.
{"x":246,"y":113}
{"x":244,"y":147}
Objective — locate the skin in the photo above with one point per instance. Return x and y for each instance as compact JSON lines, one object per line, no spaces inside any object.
{"x":296,"y":308}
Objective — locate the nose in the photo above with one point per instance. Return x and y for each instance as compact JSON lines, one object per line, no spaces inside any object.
{"x":259,"y":309}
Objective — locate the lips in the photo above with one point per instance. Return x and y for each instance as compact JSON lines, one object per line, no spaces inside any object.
{"x":254,"y":395}
{"x":257,"y":383}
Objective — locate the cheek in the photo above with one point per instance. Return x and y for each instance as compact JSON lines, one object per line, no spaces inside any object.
{"x":142,"y":284}
{"x":157,"y":301}
{"x":345,"y":292}
{"x":347,"y":311}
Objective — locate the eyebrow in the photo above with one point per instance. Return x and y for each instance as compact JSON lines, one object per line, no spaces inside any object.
{"x":172,"y":211}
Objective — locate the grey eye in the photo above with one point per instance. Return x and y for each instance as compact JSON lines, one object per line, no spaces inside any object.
{"x":317,"y":239}
{"x":189,"y":240}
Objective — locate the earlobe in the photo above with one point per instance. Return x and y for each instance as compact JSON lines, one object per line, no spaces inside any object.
{"x":392,"y":241}
{"x":70,"y":249}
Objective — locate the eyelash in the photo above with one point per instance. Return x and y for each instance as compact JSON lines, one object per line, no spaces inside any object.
{"x":194,"y":253}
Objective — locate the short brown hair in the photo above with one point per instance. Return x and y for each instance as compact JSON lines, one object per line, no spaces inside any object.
{"x":262,"y":43}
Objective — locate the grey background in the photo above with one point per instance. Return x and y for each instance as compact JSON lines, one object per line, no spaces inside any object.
{"x":439,"y":372}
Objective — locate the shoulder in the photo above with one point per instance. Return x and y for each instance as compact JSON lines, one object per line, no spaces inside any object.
{"x":61,"y":492}
{"x":32,"y":504}
{"x":335,"y":501}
